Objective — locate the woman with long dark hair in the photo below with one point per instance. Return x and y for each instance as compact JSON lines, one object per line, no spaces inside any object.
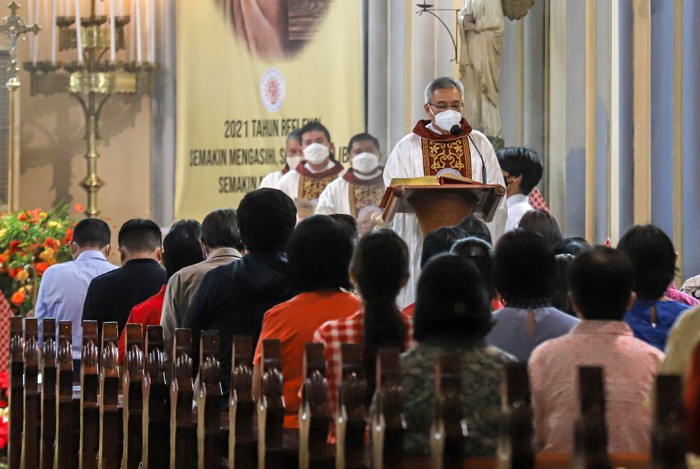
{"x":379,"y":269}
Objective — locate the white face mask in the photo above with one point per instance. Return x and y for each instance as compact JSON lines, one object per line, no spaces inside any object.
{"x":293,"y":161}
{"x":316,"y":153}
{"x":365,"y":162}
{"x":447,"y":119}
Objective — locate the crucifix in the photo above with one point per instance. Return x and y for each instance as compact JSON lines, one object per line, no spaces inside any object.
{"x":13,"y":28}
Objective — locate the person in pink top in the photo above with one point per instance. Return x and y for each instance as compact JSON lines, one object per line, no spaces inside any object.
{"x":600,"y":286}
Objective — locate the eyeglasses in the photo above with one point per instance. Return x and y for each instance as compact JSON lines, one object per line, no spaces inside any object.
{"x":455,"y":106}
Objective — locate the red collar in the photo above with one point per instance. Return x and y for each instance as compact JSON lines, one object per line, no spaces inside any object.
{"x":421,"y":129}
{"x":353,"y":179}
{"x":332,"y":171}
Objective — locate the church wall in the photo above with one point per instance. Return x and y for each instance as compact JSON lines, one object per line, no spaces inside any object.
{"x":574,"y":224}
{"x":52,"y":147}
{"x":691,"y":139}
{"x":602,"y":122}
{"x":662,"y":109}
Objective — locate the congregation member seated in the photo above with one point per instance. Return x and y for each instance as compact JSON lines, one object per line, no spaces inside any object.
{"x":544,"y":223}
{"x":522,"y":169}
{"x":233,"y":298}
{"x":111,"y":296}
{"x":64,"y":286}
{"x":568,"y":249}
{"x":654,"y":259}
{"x":222,"y":245}
{"x":452,"y":317}
{"x":181,"y":248}
{"x":437,"y":242}
{"x":319,"y":255}
{"x":472,"y":226}
{"x":293,"y":155}
{"x":524,"y":271}
{"x":601,"y":282}
{"x":480,"y":252}
{"x":349,"y":224}
{"x":379,"y":269}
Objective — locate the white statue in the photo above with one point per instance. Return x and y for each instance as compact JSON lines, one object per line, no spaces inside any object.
{"x":481,"y":35}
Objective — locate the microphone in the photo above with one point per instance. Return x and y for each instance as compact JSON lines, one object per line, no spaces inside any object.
{"x":456,"y":130}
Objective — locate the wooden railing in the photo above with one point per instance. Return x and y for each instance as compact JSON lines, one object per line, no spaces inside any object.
{"x":153,"y":419}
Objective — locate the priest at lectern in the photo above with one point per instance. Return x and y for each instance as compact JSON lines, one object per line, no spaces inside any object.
{"x":443,"y":145}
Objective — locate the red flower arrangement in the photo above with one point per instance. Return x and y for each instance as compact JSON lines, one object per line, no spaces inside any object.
{"x":30,"y":242}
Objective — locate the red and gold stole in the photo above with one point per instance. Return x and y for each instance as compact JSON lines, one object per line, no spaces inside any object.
{"x":363,"y":192}
{"x":312,"y":184}
{"x":445,"y":152}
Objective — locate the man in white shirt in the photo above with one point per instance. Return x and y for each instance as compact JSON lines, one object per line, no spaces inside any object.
{"x":522,"y":170}
{"x":64,"y":286}
{"x":319,"y":168}
{"x":445,"y":144}
{"x":359,"y":191}
{"x":292,"y":157}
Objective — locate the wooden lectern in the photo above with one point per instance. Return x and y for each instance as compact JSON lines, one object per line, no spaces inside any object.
{"x":441,"y":201}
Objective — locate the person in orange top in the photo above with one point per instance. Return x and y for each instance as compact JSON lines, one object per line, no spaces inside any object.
{"x":319,"y":255}
{"x":181,"y":248}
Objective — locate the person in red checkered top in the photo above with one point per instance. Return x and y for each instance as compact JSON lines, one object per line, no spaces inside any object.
{"x":379,"y":269}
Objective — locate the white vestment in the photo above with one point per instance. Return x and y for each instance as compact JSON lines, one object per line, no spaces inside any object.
{"x":406,"y":161}
{"x":335,"y":198}
{"x":271,"y":180}
{"x":289,"y":183}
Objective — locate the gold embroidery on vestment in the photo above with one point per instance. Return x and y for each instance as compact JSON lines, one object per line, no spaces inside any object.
{"x":311,"y":188}
{"x":363,"y":195}
{"x":454,"y":154}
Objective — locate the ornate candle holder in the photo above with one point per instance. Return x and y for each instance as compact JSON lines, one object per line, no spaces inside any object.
{"x":13,"y":27}
{"x":91,"y":81}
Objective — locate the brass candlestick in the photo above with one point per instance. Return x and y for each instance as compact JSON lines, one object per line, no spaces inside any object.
{"x":91,"y":81}
{"x":13,"y":28}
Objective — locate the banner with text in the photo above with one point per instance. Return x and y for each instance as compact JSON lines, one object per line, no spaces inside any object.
{"x":248,"y":73}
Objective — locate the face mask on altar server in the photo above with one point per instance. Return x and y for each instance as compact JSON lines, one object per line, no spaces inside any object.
{"x":365,"y":162}
{"x":316,"y":153}
{"x":293,"y":161}
{"x":447,"y":119}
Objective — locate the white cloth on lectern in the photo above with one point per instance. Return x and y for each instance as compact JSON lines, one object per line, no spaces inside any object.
{"x":406,"y":161}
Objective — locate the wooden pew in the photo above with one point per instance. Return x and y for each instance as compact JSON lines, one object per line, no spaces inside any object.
{"x":32,"y":401}
{"x":156,"y":403}
{"x":668,"y":444}
{"x":89,"y":405}
{"x":515,"y":449}
{"x":183,"y":433}
{"x":48,"y":394}
{"x":242,"y":442}
{"x":271,"y":407}
{"x":209,"y":402}
{"x":16,"y":392}
{"x":109,"y":456}
{"x":388,"y":423}
{"x":314,"y":416}
{"x":449,"y":435}
{"x":65,"y":454}
{"x":132,"y":388}
{"x":351,"y":422}
{"x":590,"y":428}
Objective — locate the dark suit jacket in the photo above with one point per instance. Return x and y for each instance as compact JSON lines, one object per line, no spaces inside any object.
{"x":233,"y":299}
{"x":111,"y":296}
